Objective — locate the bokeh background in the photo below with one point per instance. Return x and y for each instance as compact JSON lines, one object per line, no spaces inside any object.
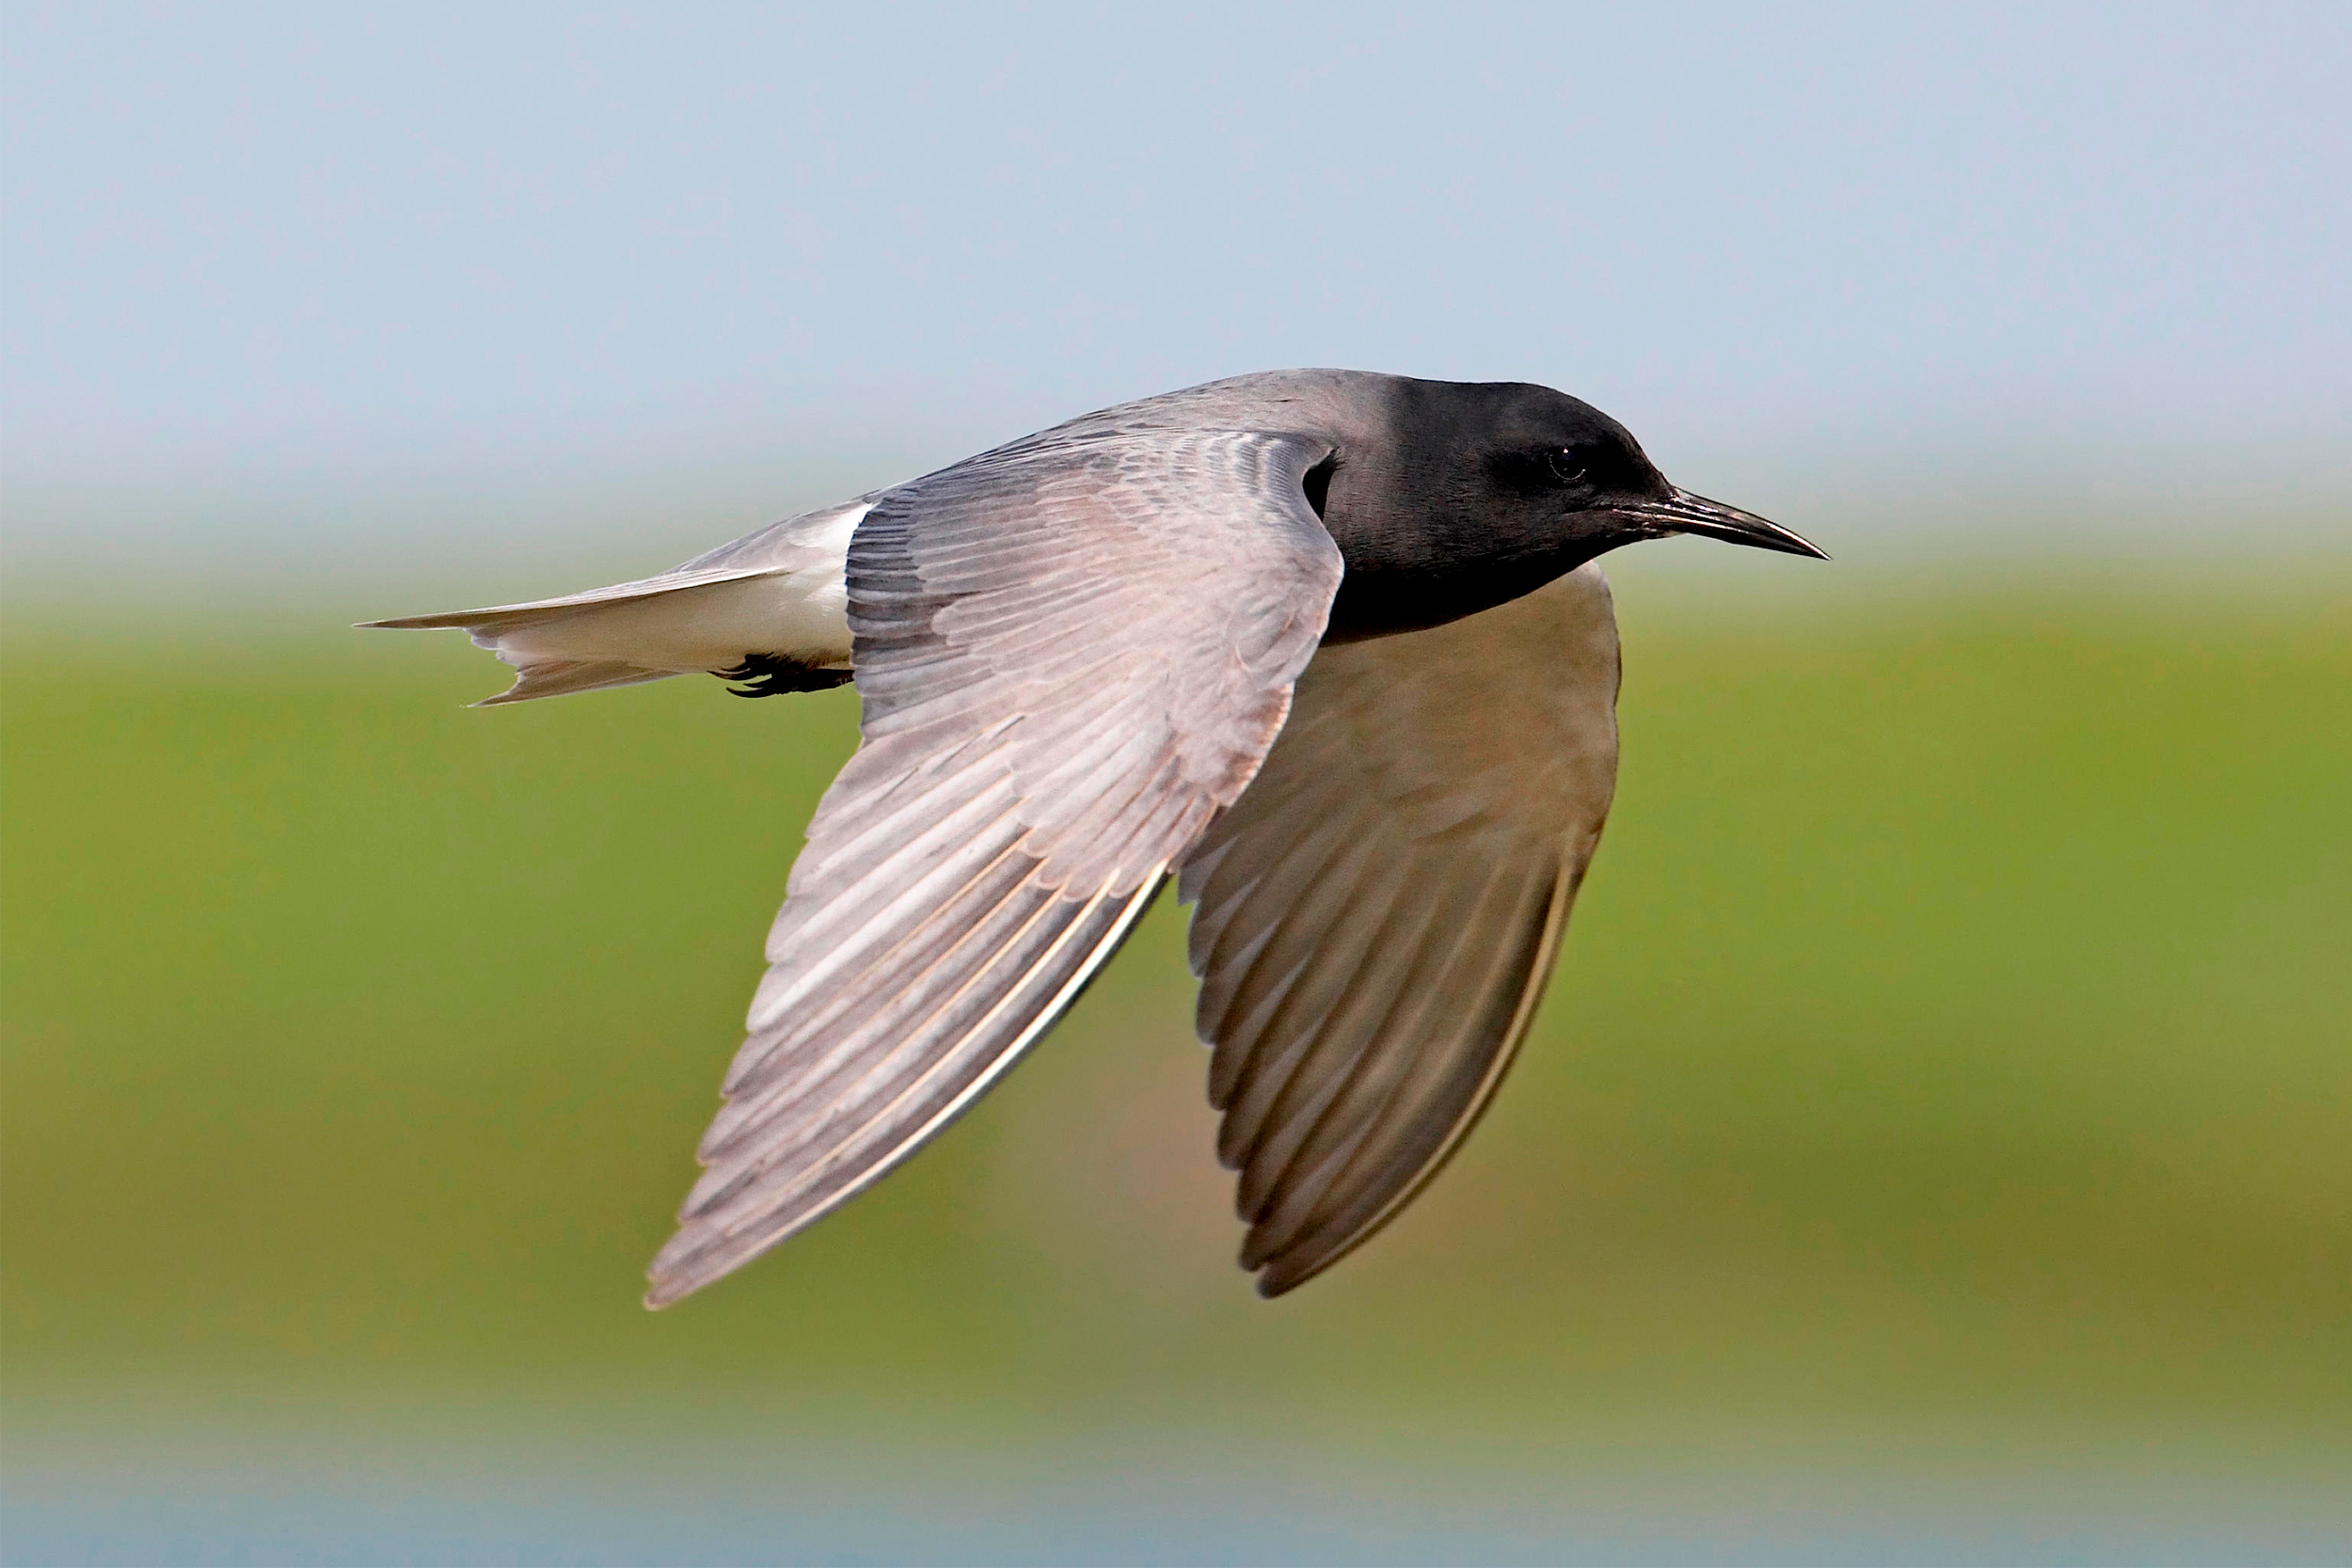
{"x":1935,"y":1146}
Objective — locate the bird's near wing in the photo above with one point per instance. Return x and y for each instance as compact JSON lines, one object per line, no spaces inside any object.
{"x":1378,"y":913}
{"x":1072,"y":655}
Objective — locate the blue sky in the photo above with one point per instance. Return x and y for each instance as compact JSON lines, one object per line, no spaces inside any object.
{"x":373,"y":277}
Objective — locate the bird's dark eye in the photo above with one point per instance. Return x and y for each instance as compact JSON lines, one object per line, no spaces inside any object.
{"x":1545,"y":470}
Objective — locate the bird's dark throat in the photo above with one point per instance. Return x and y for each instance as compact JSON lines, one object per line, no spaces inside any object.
{"x":772,"y":675}
{"x":1375,"y":603}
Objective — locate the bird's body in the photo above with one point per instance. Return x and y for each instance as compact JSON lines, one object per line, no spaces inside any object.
{"x":1325,"y":645}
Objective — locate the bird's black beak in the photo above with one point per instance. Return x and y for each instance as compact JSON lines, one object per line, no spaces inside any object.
{"x":1684,"y":513}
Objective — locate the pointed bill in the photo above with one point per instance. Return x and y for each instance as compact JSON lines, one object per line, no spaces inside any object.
{"x":1684,"y":513}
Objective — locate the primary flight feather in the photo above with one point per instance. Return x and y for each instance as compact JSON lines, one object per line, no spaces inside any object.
{"x":1325,"y":645}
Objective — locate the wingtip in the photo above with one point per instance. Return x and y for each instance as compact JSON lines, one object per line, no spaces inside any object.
{"x":667,"y":1290}
{"x":1273,"y":1279}
{"x":664,"y":1281}
{"x":1280,"y":1272}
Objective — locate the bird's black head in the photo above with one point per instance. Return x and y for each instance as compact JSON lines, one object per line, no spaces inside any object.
{"x":1481,"y":491}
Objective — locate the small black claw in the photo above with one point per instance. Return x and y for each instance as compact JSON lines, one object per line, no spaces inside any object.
{"x":772,"y":675}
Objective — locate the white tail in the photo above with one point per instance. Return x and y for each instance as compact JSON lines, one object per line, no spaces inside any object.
{"x":776,"y":596}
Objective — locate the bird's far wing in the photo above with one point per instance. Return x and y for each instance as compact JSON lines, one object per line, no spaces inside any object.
{"x":1377,"y":914}
{"x":1071,"y":654}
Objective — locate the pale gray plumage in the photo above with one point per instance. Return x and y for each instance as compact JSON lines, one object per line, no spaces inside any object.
{"x":1059,"y":695}
{"x":1084,"y":660}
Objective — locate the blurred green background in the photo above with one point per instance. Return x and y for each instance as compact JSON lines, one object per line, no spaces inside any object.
{"x":1934,"y":1147}
{"x":1947,"y":1077}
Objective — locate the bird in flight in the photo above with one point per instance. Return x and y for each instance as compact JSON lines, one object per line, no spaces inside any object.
{"x":1326,"y":647}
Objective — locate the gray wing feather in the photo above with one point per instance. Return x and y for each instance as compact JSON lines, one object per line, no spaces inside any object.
{"x":1071,"y":657}
{"x":1377,"y":914}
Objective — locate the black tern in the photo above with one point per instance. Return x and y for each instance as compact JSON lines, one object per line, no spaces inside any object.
{"x":1326,"y":647}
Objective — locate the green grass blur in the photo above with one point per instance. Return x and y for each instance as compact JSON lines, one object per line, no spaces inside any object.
{"x":1955,"y":1034}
